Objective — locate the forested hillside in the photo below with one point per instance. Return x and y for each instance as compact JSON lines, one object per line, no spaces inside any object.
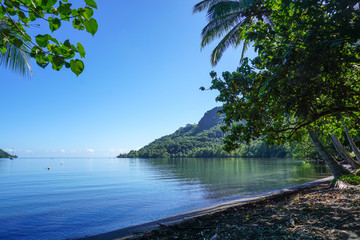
{"x":204,"y":140}
{"x":4,"y":154}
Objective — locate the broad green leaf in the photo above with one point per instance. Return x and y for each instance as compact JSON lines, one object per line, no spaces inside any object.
{"x":51,"y":3}
{"x":67,"y":43}
{"x":91,"y":3}
{"x":32,"y":16}
{"x":88,"y":13}
{"x":91,"y":26}
{"x":77,"y":66}
{"x":57,"y":60}
{"x":42,"y":40}
{"x":21,"y":14}
{"x":64,"y":9}
{"x":41,"y":61}
{"x":18,"y":42}
{"x":74,"y":12}
{"x":3,"y":50}
{"x":77,"y":24}
{"x":54,"y":23}
{"x":81,"y":50}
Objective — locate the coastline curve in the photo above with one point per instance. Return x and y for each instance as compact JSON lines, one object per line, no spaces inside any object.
{"x":139,"y":230}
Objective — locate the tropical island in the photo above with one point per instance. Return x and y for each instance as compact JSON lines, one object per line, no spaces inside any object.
{"x":298,"y":97}
{"x":205,"y":140}
{"x":303,"y":85}
{"x":4,"y":154}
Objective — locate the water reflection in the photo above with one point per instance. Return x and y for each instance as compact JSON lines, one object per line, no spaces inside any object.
{"x":236,"y":177}
{"x":81,"y":196}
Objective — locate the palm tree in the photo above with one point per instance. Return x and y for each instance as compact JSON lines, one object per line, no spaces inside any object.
{"x":15,"y":59}
{"x":228,"y":19}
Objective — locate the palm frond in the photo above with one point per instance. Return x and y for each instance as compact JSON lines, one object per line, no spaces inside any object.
{"x":223,"y":8}
{"x":201,"y":6}
{"x":246,"y":45}
{"x":207,"y":4}
{"x":218,"y":27}
{"x":228,"y":20}
{"x":230,"y":39}
{"x":15,"y":59}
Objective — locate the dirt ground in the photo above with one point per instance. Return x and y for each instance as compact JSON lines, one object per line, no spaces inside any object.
{"x":318,"y":212}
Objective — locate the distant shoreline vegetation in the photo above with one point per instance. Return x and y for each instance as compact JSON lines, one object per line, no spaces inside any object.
{"x":4,"y":154}
{"x":204,"y":140}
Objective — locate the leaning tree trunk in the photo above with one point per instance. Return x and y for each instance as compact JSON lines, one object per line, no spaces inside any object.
{"x":351,"y":142}
{"x":336,"y":169}
{"x":342,"y":151}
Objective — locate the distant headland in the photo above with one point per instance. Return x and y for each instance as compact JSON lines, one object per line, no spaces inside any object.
{"x":204,"y":140}
{"x":4,"y":154}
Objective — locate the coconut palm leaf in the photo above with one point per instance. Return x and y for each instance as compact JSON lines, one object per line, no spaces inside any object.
{"x":207,"y":4}
{"x":15,"y":59}
{"x":218,"y":27}
{"x":227,"y":19}
{"x":232,"y":38}
{"x":246,"y":45}
{"x":225,"y":7}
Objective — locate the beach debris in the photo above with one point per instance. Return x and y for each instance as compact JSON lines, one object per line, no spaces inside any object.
{"x":163,"y":225}
{"x":318,"y":212}
{"x":292,"y":222}
{"x":214,"y":237}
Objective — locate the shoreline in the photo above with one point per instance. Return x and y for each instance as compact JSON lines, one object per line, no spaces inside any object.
{"x":137,"y":231}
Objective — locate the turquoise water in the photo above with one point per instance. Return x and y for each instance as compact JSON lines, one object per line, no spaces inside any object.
{"x":79,"y":197}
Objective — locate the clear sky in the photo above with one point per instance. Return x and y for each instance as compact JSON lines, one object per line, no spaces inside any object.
{"x":143,"y":70}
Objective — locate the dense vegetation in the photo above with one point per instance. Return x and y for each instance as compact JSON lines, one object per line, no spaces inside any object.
{"x":16,"y":45}
{"x":205,"y":139}
{"x":304,"y":81}
{"x":4,"y":154}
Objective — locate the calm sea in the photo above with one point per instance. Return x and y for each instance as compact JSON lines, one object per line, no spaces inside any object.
{"x":79,"y":197}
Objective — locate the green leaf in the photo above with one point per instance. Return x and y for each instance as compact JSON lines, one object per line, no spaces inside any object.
{"x":18,"y":43}
{"x":91,"y":3}
{"x":54,"y":23}
{"x":64,"y":8}
{"x":41,"y":61}
{"x":57,"y":60}
{"x":77,"y":66}
{"x":3,"y":50}
{"x":77,"y":24}
{"x":88,"y":13}
{"x":42,"y":40}
{"x":32,"y":16}
{"x":91,"y":26}
{"x":67,"y":43}
{"x":51,"y":3}
{"x":81,"y":50}
{"x":74,"y":12}
{"x":21,"y":14}
{"x":2,"y":12}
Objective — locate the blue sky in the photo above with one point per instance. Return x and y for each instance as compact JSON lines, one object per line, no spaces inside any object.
{"x":143,"y":70}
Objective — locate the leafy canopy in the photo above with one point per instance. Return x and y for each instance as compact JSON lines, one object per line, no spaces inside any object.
{"x":306,"y":74}
{"x":16,"y":16}
{"x":228,"y":20}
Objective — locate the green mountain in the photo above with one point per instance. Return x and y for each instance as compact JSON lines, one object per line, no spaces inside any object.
{"x":202,"y":140}
{"x":4,"y":154}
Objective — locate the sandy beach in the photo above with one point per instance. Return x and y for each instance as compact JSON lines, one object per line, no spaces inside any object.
{"x":308,"y":211}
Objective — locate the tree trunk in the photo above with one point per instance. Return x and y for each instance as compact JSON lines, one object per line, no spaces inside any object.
{"x":343,"y":153}
{"x":351,"y":142}
{"x":336,"y":169}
